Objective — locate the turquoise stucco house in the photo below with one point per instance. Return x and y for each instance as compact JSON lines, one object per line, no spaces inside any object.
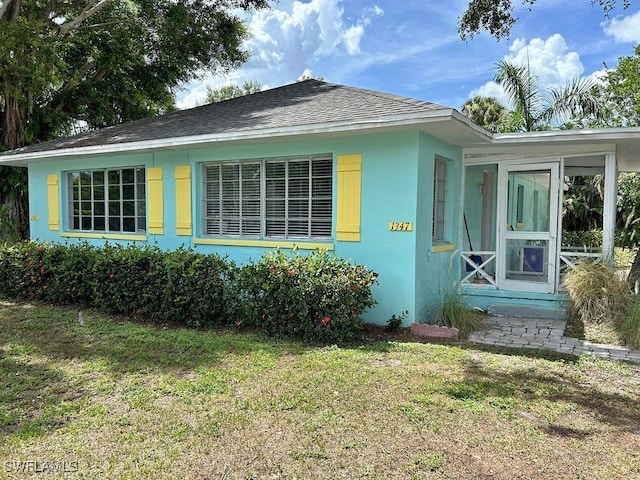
{"x":412,"y":189}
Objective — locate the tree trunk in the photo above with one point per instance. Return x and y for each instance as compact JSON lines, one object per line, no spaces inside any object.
{"x":14,"y":123}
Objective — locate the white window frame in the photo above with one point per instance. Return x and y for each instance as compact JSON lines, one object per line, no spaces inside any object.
{"x":87,"y":211}
{"x":316,"y":203}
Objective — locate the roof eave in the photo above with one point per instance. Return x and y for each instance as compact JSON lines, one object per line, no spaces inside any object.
{"x":392,"y":122}
{"x":583,"y":135}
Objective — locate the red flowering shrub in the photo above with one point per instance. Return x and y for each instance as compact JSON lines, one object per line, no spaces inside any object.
{"x":311,"y":297}
{"x":314,"y":297}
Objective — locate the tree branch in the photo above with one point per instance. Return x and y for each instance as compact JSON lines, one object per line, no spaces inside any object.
{"x":92,"y":8}
{"x":12,"y":13}
{"x":3,"y":7}
{"x":77,"y":78}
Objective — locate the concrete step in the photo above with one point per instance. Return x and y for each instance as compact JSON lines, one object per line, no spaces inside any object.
{"x":525,"y":311}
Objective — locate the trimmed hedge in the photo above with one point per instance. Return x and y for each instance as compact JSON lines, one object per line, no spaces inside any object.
{"x":314,"y":297}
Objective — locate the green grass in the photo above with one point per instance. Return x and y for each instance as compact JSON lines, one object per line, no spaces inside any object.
{"x":121,"y":400}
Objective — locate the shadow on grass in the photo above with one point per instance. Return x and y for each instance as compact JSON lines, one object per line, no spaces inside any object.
{"x":33,"y":398}
{"x":36,"y":396}
{"x":537,"y":382}
{"x":127,"y":346}
{"x":46,"y":356}
{"x":556,"y":386}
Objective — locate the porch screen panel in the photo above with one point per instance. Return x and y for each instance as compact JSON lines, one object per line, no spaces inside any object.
{"x":528,"y":201}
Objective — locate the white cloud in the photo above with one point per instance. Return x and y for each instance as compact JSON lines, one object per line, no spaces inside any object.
{"x":623,"y":30}
{"x":288,"y":41}
{"x":490,"y":89}
{"x":549,"y":60}
{"x":352,"y":37}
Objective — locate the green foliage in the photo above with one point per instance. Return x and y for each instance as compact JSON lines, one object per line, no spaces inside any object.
{"x":315,"y":297}
{"x":496,"y":17}
{"x":452,"y":311}
{"x":583,"y":202}
{"x":487,"y":112}
{"x":596,"y":293}
{"x":599,"y":296}
{"x":182,"y":286}
{"x":535,"y":109}
{"x":64,"y":62}
{"x":14,"y":222}
{"x":589,"y":239}
{"x":227,"y":92}
{"x":395,"y":322}
{"x":622,"y":91}
{"x":628,"y":221}
{"x":628,"y":324}
{"x":194,"y":287}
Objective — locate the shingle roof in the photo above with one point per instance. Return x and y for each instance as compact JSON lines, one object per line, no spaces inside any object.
{"x":299,"y":104}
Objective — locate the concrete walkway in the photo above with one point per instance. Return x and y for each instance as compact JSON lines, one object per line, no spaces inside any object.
{"x":547,"y":335}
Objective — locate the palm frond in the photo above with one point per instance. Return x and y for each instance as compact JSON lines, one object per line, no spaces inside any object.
{"x":521,"y":88}
{"x":578,"y":98}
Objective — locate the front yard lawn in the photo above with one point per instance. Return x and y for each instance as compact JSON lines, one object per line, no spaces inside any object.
{"x":116,"y":399}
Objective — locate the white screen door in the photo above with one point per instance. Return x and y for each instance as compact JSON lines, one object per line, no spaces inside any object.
{"x":528,"y":199}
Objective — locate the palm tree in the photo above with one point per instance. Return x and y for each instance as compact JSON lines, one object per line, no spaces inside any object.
{"x":536,"y":109}
{"x":487,"y":112}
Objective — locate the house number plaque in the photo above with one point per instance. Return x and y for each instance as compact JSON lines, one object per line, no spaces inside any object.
{"x":400,"y":226}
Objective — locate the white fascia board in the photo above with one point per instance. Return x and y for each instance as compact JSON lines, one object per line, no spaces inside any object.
{"x":392,"y":121}
{"x":595,"y":135}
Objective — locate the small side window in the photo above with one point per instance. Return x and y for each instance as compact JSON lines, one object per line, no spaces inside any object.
{"x":439,"y":199}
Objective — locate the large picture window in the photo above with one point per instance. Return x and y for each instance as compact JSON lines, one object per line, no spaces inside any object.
{"x":110,"y":200}
{"x":271,"y":198}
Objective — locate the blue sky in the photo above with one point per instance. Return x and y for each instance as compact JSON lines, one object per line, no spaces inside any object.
{"x":412,"y":48}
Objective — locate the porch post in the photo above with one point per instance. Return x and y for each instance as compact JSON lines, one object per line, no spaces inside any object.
{"x":609,"y":214}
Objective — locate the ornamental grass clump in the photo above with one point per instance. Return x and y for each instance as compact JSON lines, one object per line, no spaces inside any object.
{"x":452,"y":311}
{"x":596,"y":293}
{"x":599,"y":296}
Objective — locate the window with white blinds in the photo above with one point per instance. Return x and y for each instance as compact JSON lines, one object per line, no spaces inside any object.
{"x":272,"y":198}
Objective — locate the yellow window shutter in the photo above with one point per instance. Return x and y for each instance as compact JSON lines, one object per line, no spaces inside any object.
{"x":155,"y":198}
{"x":53,"y":199}
{"x":349,"y":191}
{"x":182,"y":177}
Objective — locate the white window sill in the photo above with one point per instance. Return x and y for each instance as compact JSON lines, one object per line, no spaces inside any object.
{"x":301,"y":245}
{"x":105,"y":236}
{"x":443,"y":247}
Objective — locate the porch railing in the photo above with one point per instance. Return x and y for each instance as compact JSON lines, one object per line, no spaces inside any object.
{"x":475,"y":266}
{"x":479,"y":266}
{"x":570,"y":256}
